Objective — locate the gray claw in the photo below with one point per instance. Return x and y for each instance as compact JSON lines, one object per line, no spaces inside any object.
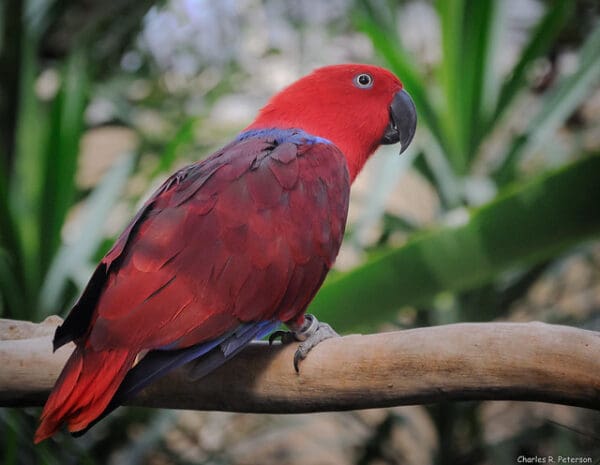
{"x":311,"y":333}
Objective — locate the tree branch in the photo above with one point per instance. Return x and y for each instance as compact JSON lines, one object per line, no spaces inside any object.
{"x":508,"y":361}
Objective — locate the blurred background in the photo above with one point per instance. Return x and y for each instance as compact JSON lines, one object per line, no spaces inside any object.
{"x":492,"y":214}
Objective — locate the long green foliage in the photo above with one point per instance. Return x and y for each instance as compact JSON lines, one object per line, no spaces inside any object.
{"x":447,"y":272}
{"x":37,"y":178}
{"x":471,"y":102}
{"x":471,"y":97}
{"x":39,"y":157}
{"x":526,"y":225}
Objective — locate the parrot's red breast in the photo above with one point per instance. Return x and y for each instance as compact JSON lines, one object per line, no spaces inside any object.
{"x":227,"y":248}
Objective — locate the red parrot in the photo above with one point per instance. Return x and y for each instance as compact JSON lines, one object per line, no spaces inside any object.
{"x":230,"y":247}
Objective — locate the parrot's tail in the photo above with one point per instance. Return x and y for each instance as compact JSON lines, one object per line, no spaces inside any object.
{"x":84,"y":389}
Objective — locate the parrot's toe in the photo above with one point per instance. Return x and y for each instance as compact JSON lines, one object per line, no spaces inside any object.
{"x":311,"y":333}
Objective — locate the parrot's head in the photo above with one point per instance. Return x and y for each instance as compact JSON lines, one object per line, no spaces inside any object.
{"x":357,"y":107}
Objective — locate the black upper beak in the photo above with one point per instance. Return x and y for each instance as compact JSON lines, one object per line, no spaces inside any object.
{"x":403,"y":121}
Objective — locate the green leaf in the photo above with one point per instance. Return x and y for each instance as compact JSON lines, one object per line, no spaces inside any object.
{"x":60,"y":155}
{"x":469,"y":38}
{"x":476,"y":76}
{"x":73,"y":260}
{"x":9,"y":239}
{"x":555,"y":109}
{"x":10,"y":288}
{"x":27,"y":176}
{"x":450,"y":76}
{"x":525,"y":225}
{"x":540,"y":41}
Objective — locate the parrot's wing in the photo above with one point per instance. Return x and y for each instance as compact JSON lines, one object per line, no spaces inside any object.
{"x":247,"y":235}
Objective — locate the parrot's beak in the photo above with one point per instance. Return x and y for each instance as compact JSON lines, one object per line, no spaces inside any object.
{"x":403,"y":121}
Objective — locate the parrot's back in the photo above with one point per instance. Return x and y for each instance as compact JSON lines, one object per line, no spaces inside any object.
{"x":225,"y":250}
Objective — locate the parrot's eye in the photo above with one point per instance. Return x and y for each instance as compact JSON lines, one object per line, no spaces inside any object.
{"x":363,"y":80}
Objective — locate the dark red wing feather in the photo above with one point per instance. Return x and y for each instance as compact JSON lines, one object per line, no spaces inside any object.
{"x":246,"y":235}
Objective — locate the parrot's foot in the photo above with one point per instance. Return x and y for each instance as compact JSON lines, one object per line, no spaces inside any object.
{"x":311,"y":333}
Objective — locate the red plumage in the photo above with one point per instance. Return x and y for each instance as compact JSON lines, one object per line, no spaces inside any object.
{"x":246,"y":236}
{"x":223,"y":241}
{"x":84,"y":388}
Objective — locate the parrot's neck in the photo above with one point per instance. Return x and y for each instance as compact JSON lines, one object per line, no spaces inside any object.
{"x":355,"y":150}
{"x":281,"y":136}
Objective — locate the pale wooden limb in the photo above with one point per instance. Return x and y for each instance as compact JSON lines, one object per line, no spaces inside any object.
{"x":516,"y":361}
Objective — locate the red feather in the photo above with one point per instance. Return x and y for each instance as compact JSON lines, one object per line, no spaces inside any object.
{"x":85,"y":386}
{"x":246,"y":235}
